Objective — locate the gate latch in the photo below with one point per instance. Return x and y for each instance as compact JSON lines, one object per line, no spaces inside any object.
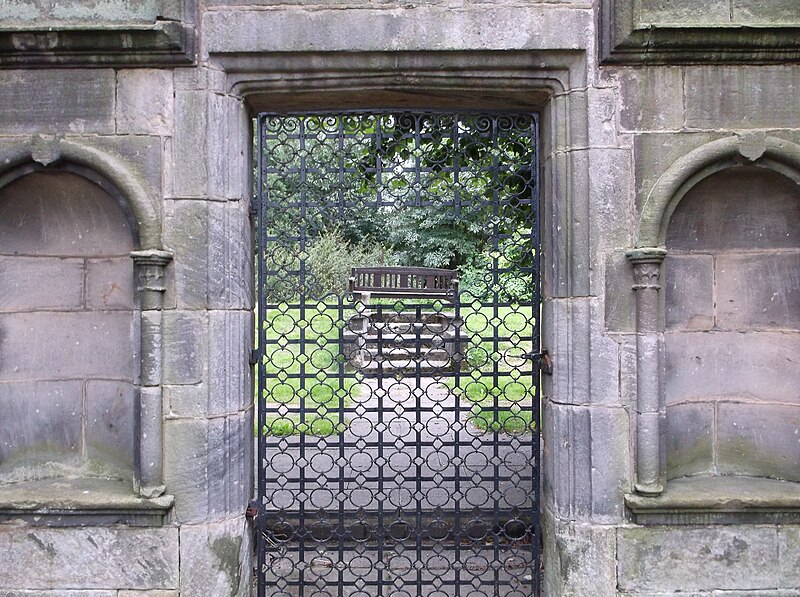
{"x":543,"y":358}
{"x":252,"y":510}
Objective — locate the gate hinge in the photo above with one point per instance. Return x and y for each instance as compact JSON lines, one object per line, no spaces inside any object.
{"x":543,"y":358}
{"x":254,"y":356}
{"x":253,"y":207}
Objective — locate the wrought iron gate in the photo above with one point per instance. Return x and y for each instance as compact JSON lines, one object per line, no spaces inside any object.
{"x":397,"y":359}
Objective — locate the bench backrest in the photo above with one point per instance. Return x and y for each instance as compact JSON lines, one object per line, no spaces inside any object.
{"x":411,"y":282}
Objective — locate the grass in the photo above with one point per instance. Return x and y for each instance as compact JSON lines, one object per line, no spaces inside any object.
{"x":500,"y":395}
{"x":307,"y":380}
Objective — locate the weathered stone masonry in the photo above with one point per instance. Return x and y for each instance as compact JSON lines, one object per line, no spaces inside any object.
{"x":640,"y":102}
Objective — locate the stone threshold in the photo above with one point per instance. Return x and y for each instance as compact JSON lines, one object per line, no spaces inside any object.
{"x":80,"y":502}
{"x":718,"y":500}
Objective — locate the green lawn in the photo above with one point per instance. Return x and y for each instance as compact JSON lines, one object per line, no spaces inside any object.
{"x":309,"y":379}
{"x":492,"y":384}
{"x":497,"y":382}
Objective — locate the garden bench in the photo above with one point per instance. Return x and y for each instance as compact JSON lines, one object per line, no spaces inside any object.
{"x":404,"y":282}
{"x":414,"y":339}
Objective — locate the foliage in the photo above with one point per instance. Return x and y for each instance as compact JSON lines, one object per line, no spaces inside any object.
{"x":500,"y":274}
{"x":331,"y":258}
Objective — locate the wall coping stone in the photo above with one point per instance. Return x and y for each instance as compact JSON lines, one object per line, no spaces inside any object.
{"x":626,"y":40}
{"x":80,"y":502}
{"x":164,"y":43}
{"x":718,"y":500}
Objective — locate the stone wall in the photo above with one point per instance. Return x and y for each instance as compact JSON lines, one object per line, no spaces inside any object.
{"x":629,"y":128}
{"x":732,"y":315}
{"x":68,"y":340}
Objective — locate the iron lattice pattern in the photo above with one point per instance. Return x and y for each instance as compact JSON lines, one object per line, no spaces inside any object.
{"x":398,"y":392}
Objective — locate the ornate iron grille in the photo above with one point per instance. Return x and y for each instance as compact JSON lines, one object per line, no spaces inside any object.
{"x":398,"y":338}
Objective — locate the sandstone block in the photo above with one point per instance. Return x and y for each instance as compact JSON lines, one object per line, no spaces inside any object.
{"x":230,"y":462}
{"x":47,"y":424}
{"x":579,"y":558}
{"x":186,"y":400}
{"x":186,"y":233}
{"x":214,"y":560}
{"x":761,"y":440}
{"x":604,"y":375}
{"x":741,"y":96}
{"x":689,"y":439}
{"x":689,"y":292}
{"x":39,"y":283}
{"x":567,"y":460}
{"x":230,"y":263}
{"x":511,"y":28}
{"x":673,"y":12}
{"x":230,"y":338}
{"x":789,"y":551}
{"x":82,"y":344}
{"x":109,"y":424}
{"x":184,"y":338}
{"x":651,"y":99}
{"x":771,"y":13}
{"x":144,"y":102}
{"x":109,"y":283}
{"x":758,"y":291}
{"x":710,"y":364}
{"x":229,"y":148}
{"x":94,"y":558}
{"x":686,"y":559}
{"x":190,"y":164}
{"x":620,"y":298}
{"x":611,"y":456}
{"x":186,"y":467}
{"x":57,"y":101}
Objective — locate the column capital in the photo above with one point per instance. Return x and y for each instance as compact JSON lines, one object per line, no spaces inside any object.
{"x":646,"y":264}
{"x":646,"y":255}
{"x":155,"y":257}
{"x":150,"y":266}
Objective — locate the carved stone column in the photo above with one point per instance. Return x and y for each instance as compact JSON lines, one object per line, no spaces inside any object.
{"x":150,"y":266}
{"x":650,"y":406}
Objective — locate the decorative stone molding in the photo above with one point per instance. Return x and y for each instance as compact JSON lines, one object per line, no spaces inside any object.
{"x":628,"y":36}
{"x":114,"y":175}
{"x":751,"y":148}
{"x":650,"y":407}
{"x":164,"y":43}
{"x":150,"y":266}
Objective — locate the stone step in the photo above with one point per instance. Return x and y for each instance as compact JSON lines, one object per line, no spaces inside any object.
{"x":407,"y":354}
{"x":399,"y":339}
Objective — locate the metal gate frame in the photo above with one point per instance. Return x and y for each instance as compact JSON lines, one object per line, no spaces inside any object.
{"x":414,"y":533}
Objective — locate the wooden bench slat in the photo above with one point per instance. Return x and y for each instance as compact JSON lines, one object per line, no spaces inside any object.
{"x":401,"y":282}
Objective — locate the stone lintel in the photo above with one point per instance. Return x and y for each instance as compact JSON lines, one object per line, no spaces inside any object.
{"x":627,"y":40}
{"x":161,"y":44}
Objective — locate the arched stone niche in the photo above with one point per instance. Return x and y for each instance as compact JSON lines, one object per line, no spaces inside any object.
{"x":732,"y":327}
{"x":67,"y":336}
{"x":81,"y":290}
{"x":717,"y":378}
